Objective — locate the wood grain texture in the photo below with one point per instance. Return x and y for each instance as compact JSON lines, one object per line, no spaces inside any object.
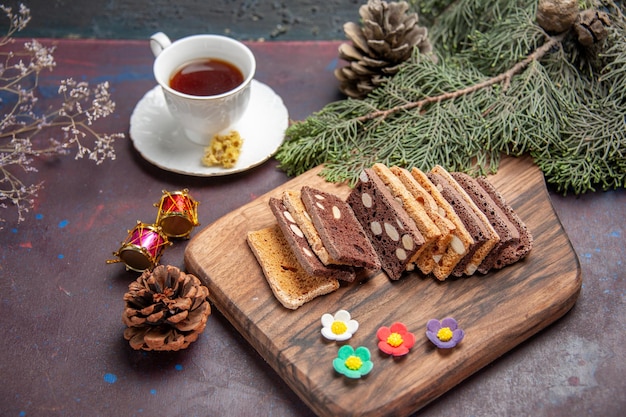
{"x":497,"y":311}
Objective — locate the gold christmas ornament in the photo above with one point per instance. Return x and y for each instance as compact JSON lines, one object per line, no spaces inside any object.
{"x":166,"y":309}
{"x":385,"y":40}
{"x":556,"y":16}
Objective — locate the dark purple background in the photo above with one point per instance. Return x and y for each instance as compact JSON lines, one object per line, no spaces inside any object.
{"x":60,"y":306}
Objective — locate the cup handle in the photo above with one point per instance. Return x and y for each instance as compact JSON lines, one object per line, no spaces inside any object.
{"x":158,"y":42}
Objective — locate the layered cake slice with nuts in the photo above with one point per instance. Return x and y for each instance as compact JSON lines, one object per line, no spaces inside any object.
{"x":338,"y":228}
{"x":293,"y":202}
{"x":416,"y":211}
{"x":511,"y":253}
{"x":461,"y":241}
{"x":393,"y":233}
{"x":508,"y":233}
{"x":301,"y":248}
{"x":426,"y":261}
{"x":475,"y":221}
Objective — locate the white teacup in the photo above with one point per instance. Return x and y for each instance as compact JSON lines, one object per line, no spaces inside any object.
{"x":202,"y":117}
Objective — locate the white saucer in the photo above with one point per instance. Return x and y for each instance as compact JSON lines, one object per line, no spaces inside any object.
{"x":162,"y":142}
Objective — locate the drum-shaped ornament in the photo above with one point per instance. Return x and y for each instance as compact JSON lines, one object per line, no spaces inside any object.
{"x":143,"y":247}
{"x":178,"y":213}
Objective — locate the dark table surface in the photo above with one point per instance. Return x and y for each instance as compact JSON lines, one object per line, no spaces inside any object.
{"x":62,"y":350}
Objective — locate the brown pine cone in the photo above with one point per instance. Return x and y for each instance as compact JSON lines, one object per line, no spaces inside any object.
{"x":556,"y":16}
{"x":166,"y":309}
{"x":590,"y":27}
{"x":385,"y":40}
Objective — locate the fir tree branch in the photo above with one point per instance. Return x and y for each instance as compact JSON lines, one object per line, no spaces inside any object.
{"x":504,"y":78}
{"x":500,"y":86}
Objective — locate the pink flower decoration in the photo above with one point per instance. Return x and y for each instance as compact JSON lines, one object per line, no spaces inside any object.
{"x":395,"y":340}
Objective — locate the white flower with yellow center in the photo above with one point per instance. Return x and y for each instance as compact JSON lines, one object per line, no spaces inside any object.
{"x":338,"y":327}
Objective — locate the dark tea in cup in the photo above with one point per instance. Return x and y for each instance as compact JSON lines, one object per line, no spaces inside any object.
{"x":206,"y":82}
{"x":206,"y":77}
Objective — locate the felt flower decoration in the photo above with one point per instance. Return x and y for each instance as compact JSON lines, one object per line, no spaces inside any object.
{"x":395,"y":340}
{"x":353,"y":363}
{"x":444,"y":334}
{"x":338,"y":327}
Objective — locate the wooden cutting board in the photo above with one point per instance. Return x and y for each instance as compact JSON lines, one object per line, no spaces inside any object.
{"x":497,"y":311}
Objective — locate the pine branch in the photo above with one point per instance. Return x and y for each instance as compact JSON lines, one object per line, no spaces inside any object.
{"x":504,"y":78}
{"x":501,"y":85}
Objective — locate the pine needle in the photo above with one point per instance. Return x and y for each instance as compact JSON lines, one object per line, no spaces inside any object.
{"x":500,"y":85}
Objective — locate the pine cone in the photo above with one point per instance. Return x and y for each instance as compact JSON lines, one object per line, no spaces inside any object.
{"x":166,"y":309}
{"x":556,"y":16}
{"x":590,"y":27}
{"x":387,"y":39}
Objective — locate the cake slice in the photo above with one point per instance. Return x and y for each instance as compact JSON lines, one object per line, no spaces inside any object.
{"x":290,"y":283}
{"x":426,"y":226}
{"x":293,"y":202}
{"x":511,"y":253}
{"x":340,"y":231}
{"x":393,"y":233}
{"x":301,"y":248}
{"x":475,"y":221}
{"x":461,"y":241}
{"x":426,"y":261}
{"x":507,"y":231}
